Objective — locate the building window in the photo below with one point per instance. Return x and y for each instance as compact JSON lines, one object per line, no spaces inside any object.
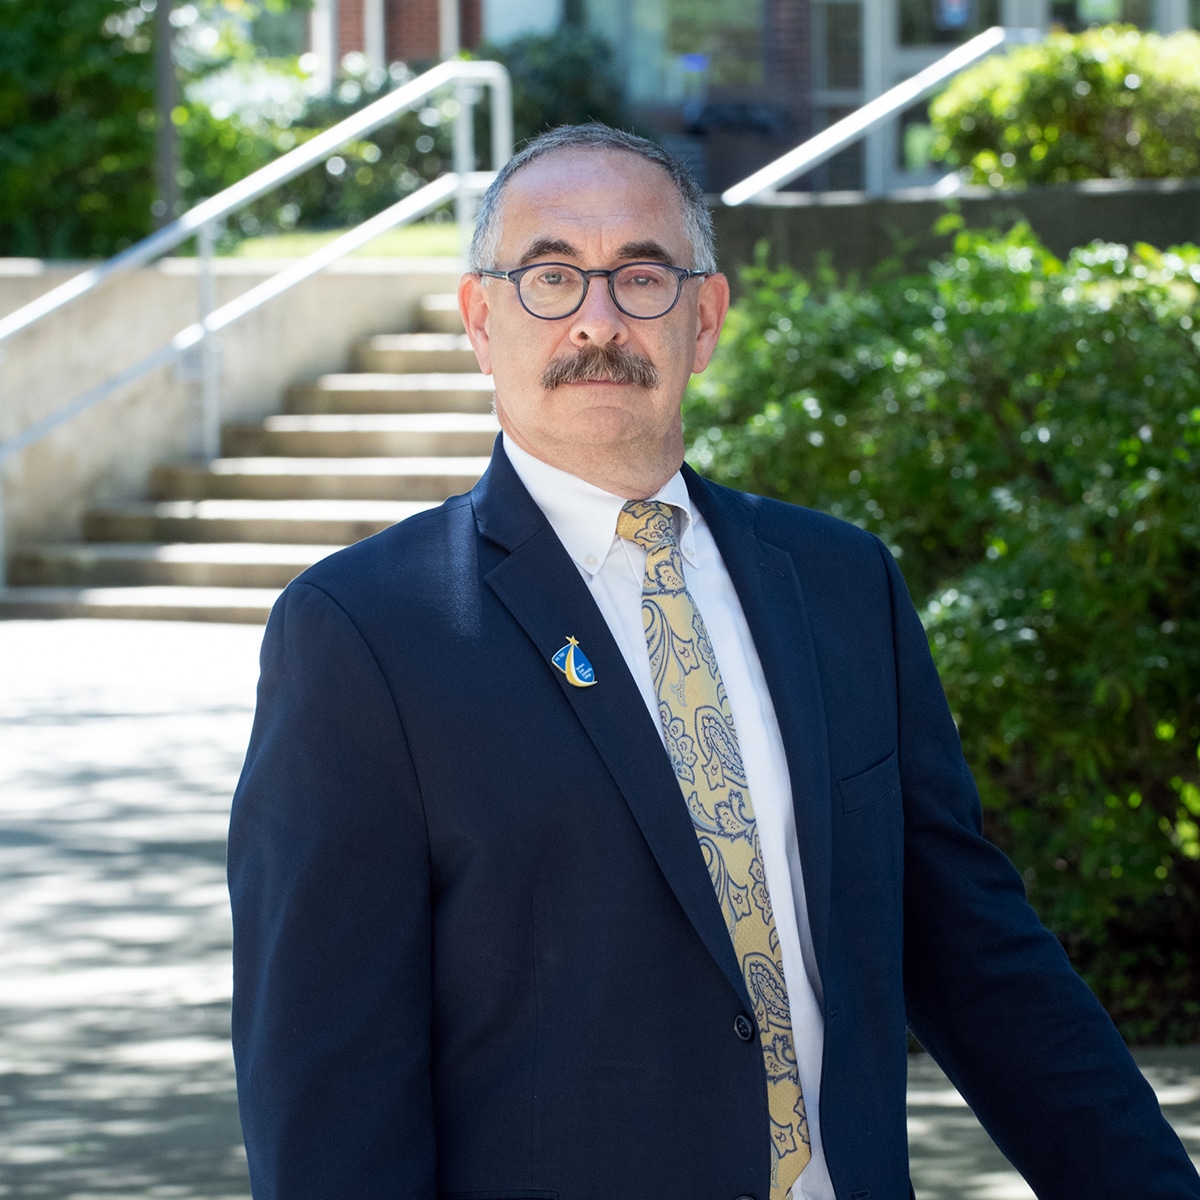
{"x":837,"y":46}
{"x":939,"y":22}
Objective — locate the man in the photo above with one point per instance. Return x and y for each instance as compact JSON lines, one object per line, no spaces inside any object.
{"x":603,"y":830}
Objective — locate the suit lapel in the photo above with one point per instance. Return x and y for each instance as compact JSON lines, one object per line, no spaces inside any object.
{"x":540,"y":586}
{"x":768,"y":586}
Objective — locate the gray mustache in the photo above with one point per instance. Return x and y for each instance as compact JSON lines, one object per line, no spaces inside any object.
{"x":608,"y":363}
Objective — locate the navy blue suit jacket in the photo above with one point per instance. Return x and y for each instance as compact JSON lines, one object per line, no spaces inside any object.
{"x":477,"y":953}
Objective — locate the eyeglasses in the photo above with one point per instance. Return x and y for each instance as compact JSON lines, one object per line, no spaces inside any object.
{"x":643,"y":290}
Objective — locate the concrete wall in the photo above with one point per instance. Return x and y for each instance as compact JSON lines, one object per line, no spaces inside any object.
{"x":108,"y":452}
{"x":857,"y":232}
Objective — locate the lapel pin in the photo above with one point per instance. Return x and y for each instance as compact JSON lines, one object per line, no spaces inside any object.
{"x":573,"y":663}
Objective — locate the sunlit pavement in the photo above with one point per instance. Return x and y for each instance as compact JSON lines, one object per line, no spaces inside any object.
{"x":953,"y":1159}
{"x":119,"y":746}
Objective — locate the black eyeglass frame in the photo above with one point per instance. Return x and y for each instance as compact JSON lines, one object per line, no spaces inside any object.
{"x":682,"y":275}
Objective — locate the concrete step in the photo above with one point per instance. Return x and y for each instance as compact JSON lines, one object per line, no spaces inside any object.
{"x":431,"y":479}
{"x":384,"y":392}
{"x":178,"y":564}
{"x":352,"y":454}
{"x":439,"y":314}
{"x":247,"y":606}
{"x":315,"y":522}
{"x":416,"y":353}
{"x":373,"y":435}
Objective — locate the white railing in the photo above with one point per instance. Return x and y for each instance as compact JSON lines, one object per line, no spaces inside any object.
{"x":879,"y":111}
{"x":203,"y":222}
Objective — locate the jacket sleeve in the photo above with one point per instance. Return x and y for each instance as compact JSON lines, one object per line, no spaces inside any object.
{"x":990,"y":992}
{"x":329,"y":885}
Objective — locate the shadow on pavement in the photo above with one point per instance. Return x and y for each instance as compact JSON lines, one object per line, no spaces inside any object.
{"x":119,"y":746}
{"x":120,"y":743}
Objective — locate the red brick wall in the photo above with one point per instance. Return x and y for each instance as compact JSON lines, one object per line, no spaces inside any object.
{"x":470,"y":22}
{"x":412,"y":28}
{"x":349,"y":27}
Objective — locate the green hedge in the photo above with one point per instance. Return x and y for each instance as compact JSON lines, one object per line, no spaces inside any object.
{"x":1025,"y":434}
{"x":1110,"y":103}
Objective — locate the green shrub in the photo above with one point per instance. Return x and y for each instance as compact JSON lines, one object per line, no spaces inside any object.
{"x":1025,"y":434}
{"x":557,"y":78}
{"x":358,"y":182}
{"x":1110,"y":103}
{"x":566,"y":77}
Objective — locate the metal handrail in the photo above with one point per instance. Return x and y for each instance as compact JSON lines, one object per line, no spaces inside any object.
{"x":216,"y":208}
{"x":876,"y":112}
{"x":202,"y":220}
{"x":420,"y":202}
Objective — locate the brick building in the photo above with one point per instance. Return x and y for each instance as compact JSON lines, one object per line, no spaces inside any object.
{"x":407,"y":30}
{"x":731,"y":84}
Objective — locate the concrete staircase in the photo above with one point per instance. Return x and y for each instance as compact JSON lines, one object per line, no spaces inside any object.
{"x":352,"y":454}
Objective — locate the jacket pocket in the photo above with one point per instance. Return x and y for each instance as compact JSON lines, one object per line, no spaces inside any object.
{"x":871,"y":786}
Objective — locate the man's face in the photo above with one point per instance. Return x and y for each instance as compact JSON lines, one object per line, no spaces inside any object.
{"x":594,"y":210}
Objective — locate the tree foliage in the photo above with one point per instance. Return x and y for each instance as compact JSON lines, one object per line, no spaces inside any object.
{"x":77,"y":122}
{"x":1110,"y":103}
{"x":78,"y":118}
{"x":1025,"y":434}
{"x":76,"y":126}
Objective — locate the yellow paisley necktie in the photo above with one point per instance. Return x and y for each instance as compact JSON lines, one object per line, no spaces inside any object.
{"x":703,"y":746}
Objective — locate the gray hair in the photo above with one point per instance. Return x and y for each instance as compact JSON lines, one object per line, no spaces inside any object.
{"x":485,"y":244}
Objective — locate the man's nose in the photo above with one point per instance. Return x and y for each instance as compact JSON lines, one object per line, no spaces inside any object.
{"x":598,"y":319}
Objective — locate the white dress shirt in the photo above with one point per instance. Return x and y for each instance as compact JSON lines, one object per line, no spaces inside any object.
{"x":585,"y":520}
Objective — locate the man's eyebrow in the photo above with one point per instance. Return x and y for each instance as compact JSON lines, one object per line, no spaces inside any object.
{"x":544,"y":246}
{"x":648,"y":251}
{"x":643,"y":252}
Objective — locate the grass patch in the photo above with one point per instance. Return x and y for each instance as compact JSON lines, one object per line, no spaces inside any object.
{"x":423,"y":239}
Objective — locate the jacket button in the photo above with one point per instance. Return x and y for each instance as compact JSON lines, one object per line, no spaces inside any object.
{"x":745,"y":1198}
{"x":744,"y":1028}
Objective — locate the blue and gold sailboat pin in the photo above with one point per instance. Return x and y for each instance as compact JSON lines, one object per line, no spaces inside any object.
{"x":573,"y":663}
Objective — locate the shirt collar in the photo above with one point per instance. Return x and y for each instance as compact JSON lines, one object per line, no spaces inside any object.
{"x":584,"y":516}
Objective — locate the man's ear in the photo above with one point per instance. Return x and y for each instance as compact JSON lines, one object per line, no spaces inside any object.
{"x":712,"y":306}
{"x":473,"y":306}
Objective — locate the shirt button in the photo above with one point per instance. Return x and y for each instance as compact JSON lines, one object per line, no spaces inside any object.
{"x":590,"y":560}
{"x":743,"y":1027}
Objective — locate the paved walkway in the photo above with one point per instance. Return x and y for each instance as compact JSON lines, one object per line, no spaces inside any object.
{"x":119,"y":746}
